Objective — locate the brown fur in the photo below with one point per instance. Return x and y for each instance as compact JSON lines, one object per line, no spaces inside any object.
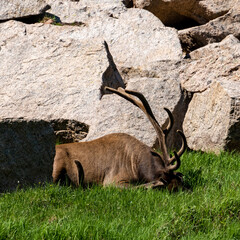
{"x":117,"y":159}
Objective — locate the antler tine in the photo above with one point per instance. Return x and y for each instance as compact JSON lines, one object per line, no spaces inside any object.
{"x":158,"y":129}
{"x":144,"y":102}
{"x":182,"y":149}
{"x":170,"y":124}
{"x":121,"y":92}
{"x":178,"y":163}
{"x":144,"y":106}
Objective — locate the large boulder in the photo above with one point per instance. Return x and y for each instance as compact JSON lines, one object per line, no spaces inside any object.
{"x":215,"y":62}
{"x":83,"y":11}
{"x":27,"y":149}
{"x":171,"y":12}
{"x":213,"y":31}
{"x":159,"y":83}
{"x":12,"y":9}
{"x":212,"y":121}
{"x":56,"y":72}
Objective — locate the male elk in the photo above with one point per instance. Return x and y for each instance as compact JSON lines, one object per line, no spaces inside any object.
{"x":121,"y":159}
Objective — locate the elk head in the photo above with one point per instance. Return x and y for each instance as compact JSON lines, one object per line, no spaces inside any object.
{"x":167,"y":175}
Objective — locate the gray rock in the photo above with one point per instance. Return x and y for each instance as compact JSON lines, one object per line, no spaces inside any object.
{"x":213,"y":31}
{"x":11,"y":9}
{"x":27,"y":149}
{"x":85,"y":10}
{"x":212,"y":122}
{"x":68,"y":130}
{"x":159,"y":83}
{"x":170,"y":12}
{"x":214,"y":62}
{"x":51,"y":72}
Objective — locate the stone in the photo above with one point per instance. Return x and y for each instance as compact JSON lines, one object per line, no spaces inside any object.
{"x":212,"y":121}
{"x":56,"y":72}
{"x":159,"y":84}
{"x":214,"y":62}
{"x":12,"y":9}
{"x":213,"y":31}
{"x":27,"y":149}
{"x":171,"y":12}
{"x":85,"y":10}
{"x":69,"y":130}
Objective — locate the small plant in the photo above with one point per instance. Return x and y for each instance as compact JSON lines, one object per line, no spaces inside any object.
{"x":51,"y":19}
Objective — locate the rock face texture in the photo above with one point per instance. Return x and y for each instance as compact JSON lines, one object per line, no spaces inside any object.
{"x":68,"y":131}
{"x":10,"y":9}
{"x":212,"y":120}
{"x":160,"y":87}
{"x":55,"y":68}
{"x":213,"y":116}
{"x":171,"y":11}
{"x":213,"y":31}
{"x":84,"y":11}
{"x":203,"y":22}
{"x":27,"y":149}
{"x":215,"y":62}
{"x":53,"y":72}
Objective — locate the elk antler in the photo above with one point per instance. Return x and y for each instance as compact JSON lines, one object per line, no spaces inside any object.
{"x":178,"y":163}
{"x":180,"y":152}
{"x":144,"y":106}
{"x":170,"y":124}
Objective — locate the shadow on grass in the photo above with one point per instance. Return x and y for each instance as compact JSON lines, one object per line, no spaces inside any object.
{"x":194,"y":178}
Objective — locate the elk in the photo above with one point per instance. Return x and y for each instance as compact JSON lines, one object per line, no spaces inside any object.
{"x":120,"y":159}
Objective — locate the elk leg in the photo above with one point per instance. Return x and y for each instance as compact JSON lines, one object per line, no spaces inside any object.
{"x":152,"y":185}
{"x":75,"y":173}
{"x":80,"y":172}
{"x":60,"y":176}
{"x":72,"y":173}
{"x":58,"y":172}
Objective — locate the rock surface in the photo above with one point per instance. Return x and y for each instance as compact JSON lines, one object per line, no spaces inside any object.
{"x":52,"y":72}
{"x":27,"y":149}
{"x":85,"y":10}
{"x":212,"y":121}
{"x":68,"y":130}
{"x":159,"y":84}
{"x":213,"y":31}
{"x":11,"y":9}
{"x":170,"y":12}
{"x":215,"y":62}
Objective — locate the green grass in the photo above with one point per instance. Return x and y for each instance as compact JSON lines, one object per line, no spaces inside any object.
{"x":210,"y":210}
